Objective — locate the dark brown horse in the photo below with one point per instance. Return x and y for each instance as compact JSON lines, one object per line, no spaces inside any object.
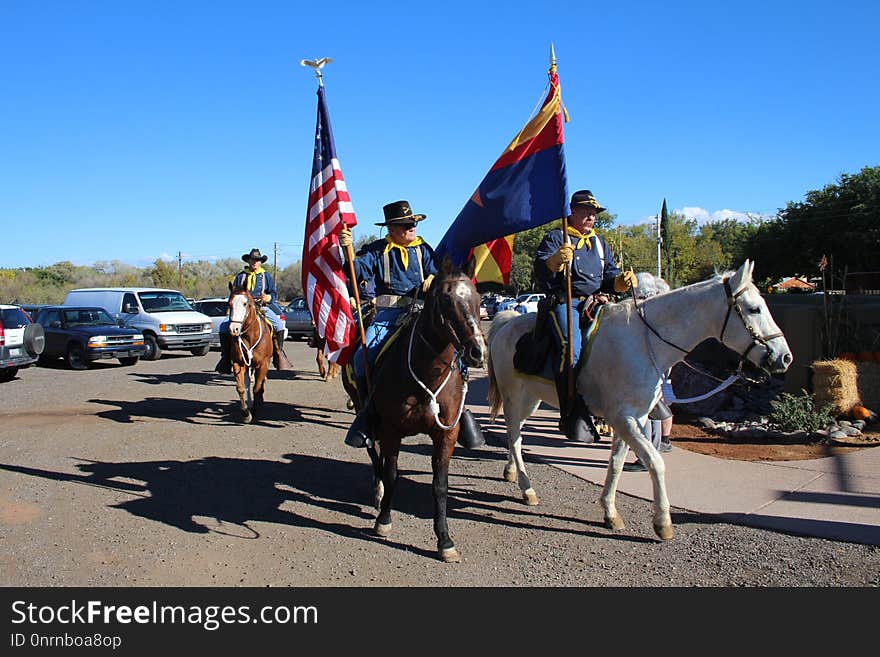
{"x":250,"y":350}
{"x":420,"y":390}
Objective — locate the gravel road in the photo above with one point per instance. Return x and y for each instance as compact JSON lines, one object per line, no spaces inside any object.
{"x":123,"y":476}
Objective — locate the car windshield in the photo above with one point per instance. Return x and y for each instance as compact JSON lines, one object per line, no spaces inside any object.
{"x":523,"y":297}
{"x":213,"y":308}
{"x":88,"y":317}
{"x":163,"y":302}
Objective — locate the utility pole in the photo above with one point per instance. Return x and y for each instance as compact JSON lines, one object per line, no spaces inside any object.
{"x":179,"y":270}
{"x":659,"y":241}
{"x":275,"y":263}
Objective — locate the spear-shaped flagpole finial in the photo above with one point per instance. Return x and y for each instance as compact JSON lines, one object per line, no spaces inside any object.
{"x":552,"y":58}
{"x":317,"y":64}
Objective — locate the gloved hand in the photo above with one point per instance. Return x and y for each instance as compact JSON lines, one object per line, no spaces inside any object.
{"x":345,"y":240}
{"x":564,"y":255}
{"x":352,"y":302}
{"x":266,"y":298}
{"x":624,"y":281}
{"x":427,"y":283}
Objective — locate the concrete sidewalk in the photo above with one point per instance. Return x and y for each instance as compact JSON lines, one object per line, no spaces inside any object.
{"x":836,"y":498}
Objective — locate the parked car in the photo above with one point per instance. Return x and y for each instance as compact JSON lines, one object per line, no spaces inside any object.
{"x":282,"y":314}
{"x":484,"y":308}
{"x":33,"y":309}
{"x":299,"y":319}
{"x":83,"y":334}
{"x":163,"y":316}
{"x":492,"y":303}
{"x":509,"y":303}
{"x":528,"y":303}
{"x":217,"y":309}
{"x":21,"y":341}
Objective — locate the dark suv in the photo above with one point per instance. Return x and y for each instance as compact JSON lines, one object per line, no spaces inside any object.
{"x":83,"y":334}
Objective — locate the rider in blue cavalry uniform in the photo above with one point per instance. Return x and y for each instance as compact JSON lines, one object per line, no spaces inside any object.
{"x":394,"y":268}
{"x":261,"y":285}
{"x":593,"y":270}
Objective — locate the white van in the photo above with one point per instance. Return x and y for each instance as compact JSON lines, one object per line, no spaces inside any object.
{"x":164,"y":317}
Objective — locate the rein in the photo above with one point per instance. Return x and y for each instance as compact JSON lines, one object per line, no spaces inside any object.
{"x":433,"y":404}
{"x":757,"y":339}
{"x":247,"y":353}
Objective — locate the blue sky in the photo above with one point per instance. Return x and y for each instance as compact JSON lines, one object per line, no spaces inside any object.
{"x":137,"y":130}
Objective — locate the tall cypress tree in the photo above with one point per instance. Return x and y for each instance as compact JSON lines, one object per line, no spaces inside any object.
{"x":665,"y":237}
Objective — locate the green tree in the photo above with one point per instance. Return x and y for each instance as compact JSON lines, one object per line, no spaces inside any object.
{"x":841,"y":221}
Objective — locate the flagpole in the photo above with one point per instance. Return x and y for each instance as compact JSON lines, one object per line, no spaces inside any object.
{"x":569,"y":324}
{"x":318,"y":64}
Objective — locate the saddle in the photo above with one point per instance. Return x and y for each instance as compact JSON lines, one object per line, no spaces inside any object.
{"x":535,"y":348}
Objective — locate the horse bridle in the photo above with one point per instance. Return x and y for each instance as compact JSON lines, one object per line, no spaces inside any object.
{"x":457,"y":343}
{"x":757,"y":339}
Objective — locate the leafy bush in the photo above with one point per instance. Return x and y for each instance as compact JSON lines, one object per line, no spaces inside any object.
{"x":799,"y":413}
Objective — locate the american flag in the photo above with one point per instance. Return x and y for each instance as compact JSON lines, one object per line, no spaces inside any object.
{"x":322,"y":275}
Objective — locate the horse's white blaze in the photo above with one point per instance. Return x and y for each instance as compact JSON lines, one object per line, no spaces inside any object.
{"x":627,"y":363}
{"x":237,"y":314}
{"x":462,"y":290}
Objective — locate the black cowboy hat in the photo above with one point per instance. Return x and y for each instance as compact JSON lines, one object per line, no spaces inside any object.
{"x":399,"y":212}
{"x":256,"y":255}
{"x":585,"y":197}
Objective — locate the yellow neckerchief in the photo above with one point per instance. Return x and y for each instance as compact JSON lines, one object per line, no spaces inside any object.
{"x":252,"y":277}
{"x":582,"y":237}
{"x":404,"y":254}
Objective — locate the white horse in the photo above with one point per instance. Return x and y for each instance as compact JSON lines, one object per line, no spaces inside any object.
{"x":628,"y":361}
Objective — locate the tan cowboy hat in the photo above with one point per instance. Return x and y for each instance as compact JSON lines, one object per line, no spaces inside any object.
{"x":256,"y":255}
{"x":399,"y":212}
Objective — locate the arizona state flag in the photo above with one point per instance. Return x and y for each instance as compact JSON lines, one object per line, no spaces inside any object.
{"x":525,"y":188}
{"x":493,"y":261}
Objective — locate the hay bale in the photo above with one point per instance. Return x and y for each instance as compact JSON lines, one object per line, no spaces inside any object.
{"x":835,"y":382}
{"x":869,"y":384}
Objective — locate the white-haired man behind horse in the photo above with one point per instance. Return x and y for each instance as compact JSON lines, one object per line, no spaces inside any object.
{"x":261,"y":285}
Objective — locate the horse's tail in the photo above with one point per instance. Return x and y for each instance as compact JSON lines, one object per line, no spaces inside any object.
{"x":496,"y":401}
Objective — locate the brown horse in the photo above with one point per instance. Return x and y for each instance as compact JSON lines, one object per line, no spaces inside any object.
{"x":250,"y":350}
{"x":327,"y":370}
{"x":421,"y":390}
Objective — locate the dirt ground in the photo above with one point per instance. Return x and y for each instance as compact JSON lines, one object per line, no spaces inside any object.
{"x":143,"y":476}
{"x":688,"y":434}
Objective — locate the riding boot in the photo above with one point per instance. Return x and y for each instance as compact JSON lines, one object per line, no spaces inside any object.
{"x":279,"y":358}
{"x":470,"y":435}
{"x":575,"y":420}
{"x":224,"y":366}
{"x":360,"y":433}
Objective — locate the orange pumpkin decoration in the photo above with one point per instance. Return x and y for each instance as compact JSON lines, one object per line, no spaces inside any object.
{"x":846,"y":355}
{"x":866,"y":356}
{"x":859,"y":412}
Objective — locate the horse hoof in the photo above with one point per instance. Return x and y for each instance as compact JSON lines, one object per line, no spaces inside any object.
{"x":450,"y":555}
{"x":246,"y":418}
{"x":615,"y":524}
{"x":510,"y":473}
{"x":530,"y":497}
{"x":664,"y":532}
{"x":382,"y":530}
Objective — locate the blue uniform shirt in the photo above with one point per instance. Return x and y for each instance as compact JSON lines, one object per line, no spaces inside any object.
{"x":264,"y":284}
{"x":369,"y":266}
{"x":588,"y":275}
